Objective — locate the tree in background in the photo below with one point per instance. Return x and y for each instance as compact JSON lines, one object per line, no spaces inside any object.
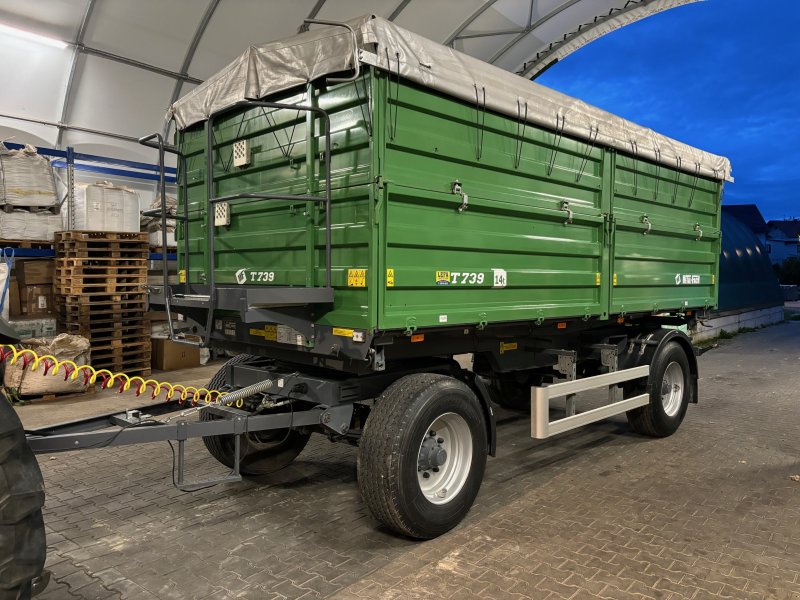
{"x":789,"y":271}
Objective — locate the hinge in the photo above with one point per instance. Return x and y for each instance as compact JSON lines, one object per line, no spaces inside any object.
{"x":458,"y":190}
{"x":411,"y":326}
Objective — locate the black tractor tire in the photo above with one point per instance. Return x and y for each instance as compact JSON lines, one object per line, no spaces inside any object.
{"x":390,"y":455}
{"x":668,"y":403}
{"x":262,"y":453}
{"x":22,"y":538}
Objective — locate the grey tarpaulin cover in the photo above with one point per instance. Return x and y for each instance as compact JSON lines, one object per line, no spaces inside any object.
{"x":277,"y":66}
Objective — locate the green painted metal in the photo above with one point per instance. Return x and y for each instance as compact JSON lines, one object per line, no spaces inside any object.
{"x":553,"y":227}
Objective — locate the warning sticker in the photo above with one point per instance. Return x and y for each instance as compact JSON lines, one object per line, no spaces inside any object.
{"x":357,"y":278}
{"x":442,"y":277}
{"x":389,"y":277}
{"x":507,"y":347}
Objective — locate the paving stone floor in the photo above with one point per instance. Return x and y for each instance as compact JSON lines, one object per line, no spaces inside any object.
{"x":711,"y":512}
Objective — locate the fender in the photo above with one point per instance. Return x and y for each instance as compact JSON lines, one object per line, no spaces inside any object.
{"x":644,"y":347}
{"x":478,"y":385}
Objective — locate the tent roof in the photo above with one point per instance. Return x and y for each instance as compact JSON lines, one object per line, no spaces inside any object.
{"x":125,"y":62}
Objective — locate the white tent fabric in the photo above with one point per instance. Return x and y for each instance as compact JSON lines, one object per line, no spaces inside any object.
{"x":264,"y":70}
{"x":125,"y":62}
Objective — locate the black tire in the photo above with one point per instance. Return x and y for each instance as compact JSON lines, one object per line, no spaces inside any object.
{"x":654,"y":419}
{"x":262,"y":453}
{"x":22,"y":538}
{"x":389,"y":454}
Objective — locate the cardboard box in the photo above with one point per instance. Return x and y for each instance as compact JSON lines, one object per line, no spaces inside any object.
{"x":14,"y":305}
{"x":169,"y":356}
{"x":34,"y":272}
{"x":34,"y":328}
{"x":36,"y":300}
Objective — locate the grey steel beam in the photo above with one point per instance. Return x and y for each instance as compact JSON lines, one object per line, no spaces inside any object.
{"x":138,"y":64}
{"x":311,"y":15}
{"x":630,"y":6}
{"x":400,"y":8}
{"x":190,"y":52}
{"x":482,"y":9}
{"x":62,"y":126}
{"x":87,"y":15}
{"x":481,"y":34}
{"x":539,"y":22}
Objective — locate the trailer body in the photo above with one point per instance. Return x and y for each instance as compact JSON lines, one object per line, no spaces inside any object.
{"x":444,"y":215}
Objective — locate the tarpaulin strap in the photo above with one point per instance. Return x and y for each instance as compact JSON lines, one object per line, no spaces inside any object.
{"x":677,"y":177}
{"x":694,"y":183}
{"x":393,"y":121}
{"x":594,"y":131}
{"x":480,"y":123}
{"x":561,"y":122}
{"x":635,"y":151}
{"x":657,"y":151}
{"x":364,"y":110}
{"x":522,"y":122}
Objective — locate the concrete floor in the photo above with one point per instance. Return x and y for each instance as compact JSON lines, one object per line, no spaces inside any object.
{"x":599,"y":513}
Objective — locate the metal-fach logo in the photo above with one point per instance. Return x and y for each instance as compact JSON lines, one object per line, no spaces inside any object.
{"x":677,"y":279}
{"x":241,"y":276}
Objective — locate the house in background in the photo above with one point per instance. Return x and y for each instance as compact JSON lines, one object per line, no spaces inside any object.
{"x":749,"y":216}
{"x":783,"y":240}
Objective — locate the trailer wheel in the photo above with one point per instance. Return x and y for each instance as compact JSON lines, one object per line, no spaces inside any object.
{"x":669,"y":388}
{"x":422,"y":455}
{"x":263,"y":452}
{"x":22,"y":538}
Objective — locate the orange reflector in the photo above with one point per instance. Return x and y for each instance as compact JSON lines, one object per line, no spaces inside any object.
{"x":620,"y":320}
{"x":688,"y":313}
{"x":561,"y":326}
{"x":418,"y":337}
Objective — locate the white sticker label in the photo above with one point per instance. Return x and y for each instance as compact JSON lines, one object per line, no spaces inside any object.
{"x":687,"y":279}
{"x":442,"y":318}
{"x":500,"y":278}
{"x":42,"y":301}
{"x":242,"y":276}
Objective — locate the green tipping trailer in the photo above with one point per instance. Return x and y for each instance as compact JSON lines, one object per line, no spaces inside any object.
{"x":393,"y":236}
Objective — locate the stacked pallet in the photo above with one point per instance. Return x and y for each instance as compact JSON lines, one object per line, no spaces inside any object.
{"x":101,"y":292}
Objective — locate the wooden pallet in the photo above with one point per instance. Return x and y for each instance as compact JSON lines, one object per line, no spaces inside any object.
{"x":106,"y":299}
{"x":99,"y":287}
{"x":102,"y":236}
{"x":31,"y":244}
{"x":60,"y":397}
{"x":100,"y":262}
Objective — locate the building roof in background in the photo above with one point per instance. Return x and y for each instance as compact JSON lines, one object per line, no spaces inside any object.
{"x":789,"y":227}
{"x":749,"y":215}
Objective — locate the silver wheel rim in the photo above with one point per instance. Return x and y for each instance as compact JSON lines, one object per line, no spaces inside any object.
{"x":444,"y":458}
{"x":672,"y":389}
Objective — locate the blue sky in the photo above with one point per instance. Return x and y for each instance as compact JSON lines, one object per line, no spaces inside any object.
{"x":722,"y":75}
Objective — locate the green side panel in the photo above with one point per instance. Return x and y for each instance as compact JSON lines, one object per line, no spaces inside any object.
{"x":282,"y":243}
{"x":509,"y":256}
{"x":666,"y":242}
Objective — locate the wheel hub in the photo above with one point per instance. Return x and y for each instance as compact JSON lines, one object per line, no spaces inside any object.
{"x":432,"y":453}
{"x":444,"y":459}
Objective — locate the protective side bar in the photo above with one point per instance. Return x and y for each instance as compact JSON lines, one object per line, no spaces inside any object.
{"x":542,"y":427}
